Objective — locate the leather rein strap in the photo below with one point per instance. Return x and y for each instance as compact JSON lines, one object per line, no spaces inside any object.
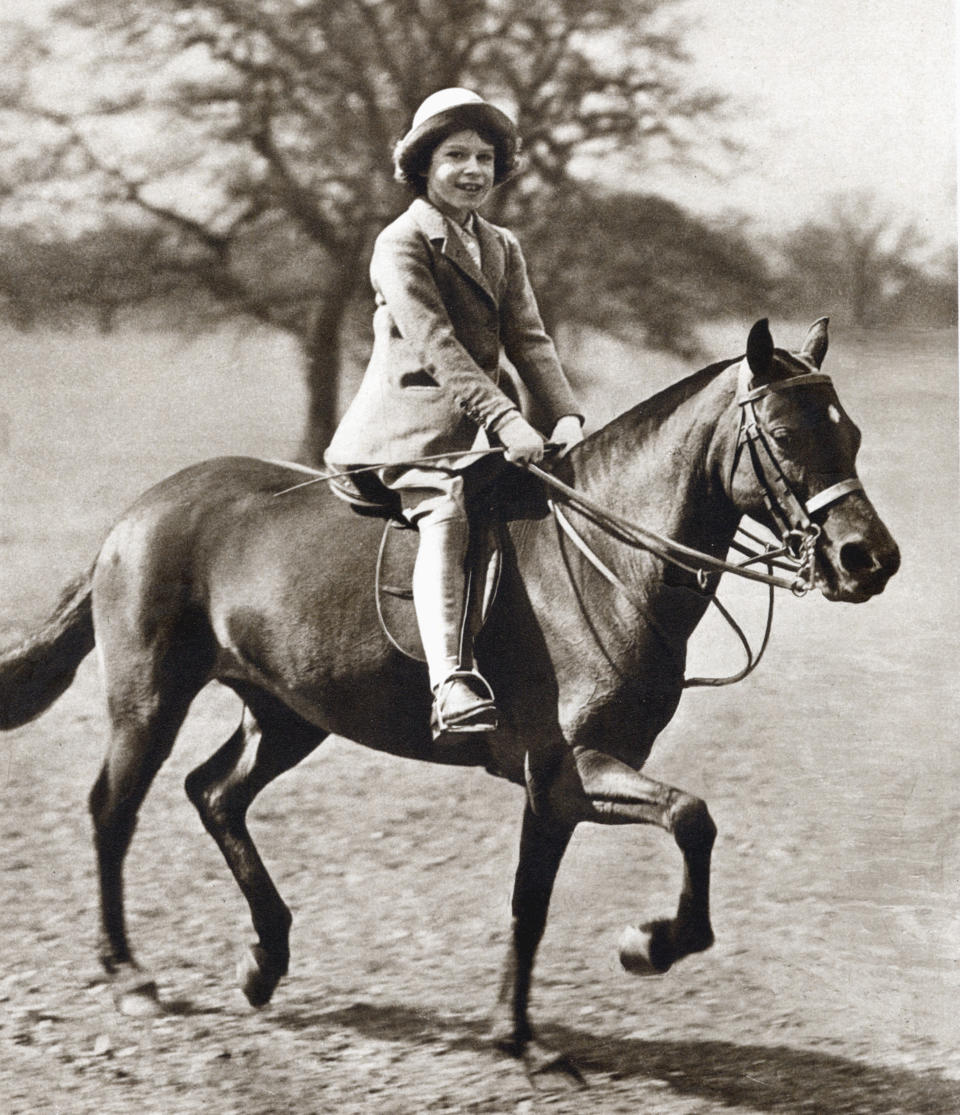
{"x":798,"y":533}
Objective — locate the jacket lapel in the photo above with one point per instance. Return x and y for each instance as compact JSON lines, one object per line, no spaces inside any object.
{"x":492,"y":256}
{"x":435,"y":226}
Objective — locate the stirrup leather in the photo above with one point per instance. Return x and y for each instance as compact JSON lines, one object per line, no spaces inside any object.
{"x":480,"y":717}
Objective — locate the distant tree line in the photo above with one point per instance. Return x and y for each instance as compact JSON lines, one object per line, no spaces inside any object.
{"x":227,"y":160}
{"x":864,"y":263}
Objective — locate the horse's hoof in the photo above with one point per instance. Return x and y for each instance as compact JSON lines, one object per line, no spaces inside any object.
{"x":254,"y":977}
{"x":139,"y":1001}
{"x":539,"y":1061}
{"x":645,"y":950}
{"x":545,"y":1064}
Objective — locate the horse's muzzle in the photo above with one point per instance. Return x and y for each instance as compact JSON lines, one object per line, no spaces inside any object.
{"x":856,"y":558}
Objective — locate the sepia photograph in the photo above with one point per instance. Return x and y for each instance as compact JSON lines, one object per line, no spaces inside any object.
{"x":479,"y":613}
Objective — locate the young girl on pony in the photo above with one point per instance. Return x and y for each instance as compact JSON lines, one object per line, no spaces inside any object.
{"x":451,"y":290}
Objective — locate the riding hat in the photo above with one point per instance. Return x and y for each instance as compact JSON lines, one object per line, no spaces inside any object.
{"x":448,"y":110}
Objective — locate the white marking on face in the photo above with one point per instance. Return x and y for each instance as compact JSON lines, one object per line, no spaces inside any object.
{"x":833,"y":414}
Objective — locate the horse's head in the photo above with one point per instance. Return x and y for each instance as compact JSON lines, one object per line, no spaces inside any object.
{"x":795,"y":467}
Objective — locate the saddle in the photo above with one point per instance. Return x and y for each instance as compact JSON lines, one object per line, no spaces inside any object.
{"x":512,"y":495}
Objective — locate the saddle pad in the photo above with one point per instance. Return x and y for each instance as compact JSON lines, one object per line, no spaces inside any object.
{"x":398,"y":551}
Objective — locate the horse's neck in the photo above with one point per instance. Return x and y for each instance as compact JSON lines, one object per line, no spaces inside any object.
{"x":663,"y":463}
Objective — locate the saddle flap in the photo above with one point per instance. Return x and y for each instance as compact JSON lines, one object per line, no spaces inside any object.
{"x":394,"y":577}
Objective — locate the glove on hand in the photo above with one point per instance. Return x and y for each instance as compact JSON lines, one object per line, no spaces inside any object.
{"x":521,"y":441}
{"x":567,"y":433}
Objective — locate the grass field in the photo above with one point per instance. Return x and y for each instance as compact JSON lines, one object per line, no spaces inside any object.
{"x":832,"y":774}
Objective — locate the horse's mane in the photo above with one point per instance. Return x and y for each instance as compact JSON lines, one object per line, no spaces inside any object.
{"x":648,"y":414}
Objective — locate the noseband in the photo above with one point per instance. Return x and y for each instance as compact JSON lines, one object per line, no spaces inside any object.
{"x":798,"y":533}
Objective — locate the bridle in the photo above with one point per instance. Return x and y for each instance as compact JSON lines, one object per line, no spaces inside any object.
{"x":798,"y":533}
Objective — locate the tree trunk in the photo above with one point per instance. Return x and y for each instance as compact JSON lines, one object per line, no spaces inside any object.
{"x":106,"y":313}
{"x":323,"y":345}
{"x":323,"y":352}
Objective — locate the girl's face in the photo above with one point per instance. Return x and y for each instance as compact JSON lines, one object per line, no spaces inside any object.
{"x":460,"y":176}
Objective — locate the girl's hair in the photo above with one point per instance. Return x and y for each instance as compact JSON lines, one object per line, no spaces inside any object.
{"x":412,"y":153}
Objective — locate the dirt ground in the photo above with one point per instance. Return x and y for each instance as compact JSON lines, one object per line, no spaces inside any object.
{"x":831,"y":773}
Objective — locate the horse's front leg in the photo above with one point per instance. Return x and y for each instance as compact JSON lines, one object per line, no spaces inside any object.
{"x":542,"y":845}
{"x":617,"y":794}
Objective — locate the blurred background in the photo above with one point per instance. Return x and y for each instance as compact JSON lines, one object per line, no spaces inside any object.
{"x":188,"y":166}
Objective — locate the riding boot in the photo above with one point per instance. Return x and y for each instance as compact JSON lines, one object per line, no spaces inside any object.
{"x":463,"y":701}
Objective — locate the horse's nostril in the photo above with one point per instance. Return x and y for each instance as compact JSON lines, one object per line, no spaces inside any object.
{"x":856,"y":558}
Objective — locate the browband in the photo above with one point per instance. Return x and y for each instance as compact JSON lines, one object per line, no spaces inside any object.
{"x":782,"y":385}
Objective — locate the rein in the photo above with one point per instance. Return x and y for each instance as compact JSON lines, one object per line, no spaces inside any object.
{"x":796,"y":553}
{"x":666,"y":548}
{"x":798,"y":533}
{"x":702,"y":565}
{"x":753,"y":660}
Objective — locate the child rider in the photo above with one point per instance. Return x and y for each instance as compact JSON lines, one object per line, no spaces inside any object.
{"x":451,"y":289}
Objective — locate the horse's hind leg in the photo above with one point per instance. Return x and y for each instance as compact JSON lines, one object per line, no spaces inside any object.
{"x":144,"y":725}
{"x":268,"y":742}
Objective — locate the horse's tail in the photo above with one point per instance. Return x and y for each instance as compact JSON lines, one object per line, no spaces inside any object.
{"x":38,"y":670}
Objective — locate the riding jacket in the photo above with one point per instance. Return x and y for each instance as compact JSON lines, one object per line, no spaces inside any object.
{"x":434,"y":376}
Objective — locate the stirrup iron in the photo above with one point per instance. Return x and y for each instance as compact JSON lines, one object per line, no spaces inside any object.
{"x":480,"y":717}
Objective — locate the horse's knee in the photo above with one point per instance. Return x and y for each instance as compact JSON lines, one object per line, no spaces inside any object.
{"x":691,"y":824}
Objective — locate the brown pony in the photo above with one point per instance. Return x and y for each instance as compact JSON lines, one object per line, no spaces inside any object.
{"x":213,"y":576}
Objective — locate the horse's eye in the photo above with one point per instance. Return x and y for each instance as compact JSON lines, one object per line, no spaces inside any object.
{"x":782,"y":436}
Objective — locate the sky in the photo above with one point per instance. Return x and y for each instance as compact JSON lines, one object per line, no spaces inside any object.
{"x":837,"y":96}
{"x":829,"y":97}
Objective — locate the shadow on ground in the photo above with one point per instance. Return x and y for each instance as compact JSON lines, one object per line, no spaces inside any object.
{"x":762,"y":1077}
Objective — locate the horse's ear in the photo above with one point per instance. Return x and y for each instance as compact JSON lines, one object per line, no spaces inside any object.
{"x":760,"y":351}
{"x":815,"y":346}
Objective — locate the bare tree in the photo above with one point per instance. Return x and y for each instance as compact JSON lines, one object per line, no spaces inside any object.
{"x":855,"y":259}
{"x":644,"y":270}
{"x":249,"y":139}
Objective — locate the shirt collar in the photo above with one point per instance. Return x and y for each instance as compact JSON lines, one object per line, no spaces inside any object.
{"x":435,"y":223}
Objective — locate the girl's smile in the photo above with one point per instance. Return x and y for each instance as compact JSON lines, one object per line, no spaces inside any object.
{"x":461,"y":172}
